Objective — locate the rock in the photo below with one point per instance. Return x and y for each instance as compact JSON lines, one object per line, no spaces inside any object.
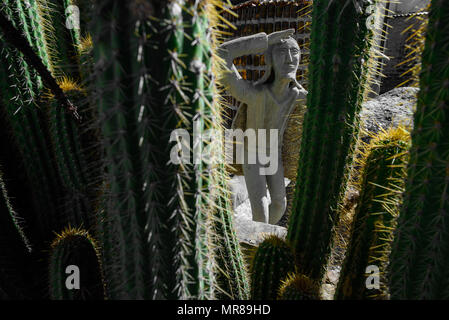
{"x":249,"y":231}
{"x":390,"y":109}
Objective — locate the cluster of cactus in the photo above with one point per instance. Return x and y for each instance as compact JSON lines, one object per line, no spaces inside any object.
{"x":381,"y":183}
{"x":88,"y":115}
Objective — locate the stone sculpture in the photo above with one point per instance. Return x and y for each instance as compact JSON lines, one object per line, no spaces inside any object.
{"x":269,"y":103}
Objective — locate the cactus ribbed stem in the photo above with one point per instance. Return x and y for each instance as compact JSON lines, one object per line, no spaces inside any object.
{"x":29,"y":133}
{"x":14,"y":251}
{"x":299,"y":287}
{"x":340,"y":42}
{"x":125,"y":207}
{"x":381,"y":185}
{"x":232,"y":279}
{"x":272,"y":262}
{"x":418,"y":267}
{"x":61,"y":41}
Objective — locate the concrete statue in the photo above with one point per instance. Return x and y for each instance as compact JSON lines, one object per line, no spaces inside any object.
{"x":269,"y":102}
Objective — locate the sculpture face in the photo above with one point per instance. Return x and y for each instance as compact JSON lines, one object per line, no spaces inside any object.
{"x":285,"y":57}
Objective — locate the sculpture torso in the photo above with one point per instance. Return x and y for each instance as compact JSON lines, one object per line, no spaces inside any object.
{"x":264,"y":111}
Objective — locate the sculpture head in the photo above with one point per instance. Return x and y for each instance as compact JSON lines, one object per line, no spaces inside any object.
{"x":282,"y":60}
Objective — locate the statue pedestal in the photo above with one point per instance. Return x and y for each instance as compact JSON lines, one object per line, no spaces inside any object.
{"x":248,"y":231}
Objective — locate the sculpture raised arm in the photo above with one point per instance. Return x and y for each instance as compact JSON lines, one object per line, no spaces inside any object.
{"x":228,"y":51}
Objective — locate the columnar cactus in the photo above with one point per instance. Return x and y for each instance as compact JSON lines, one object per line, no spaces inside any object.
{"x":381,"y":184}
{"x":299,"y":287}
{"x":418,"y":262}
{"x":340,"y":53}
{"x":273,"y":260}
{"x":144,"y":69}
{"x":15,"y":251}
{"x":75,"y":271}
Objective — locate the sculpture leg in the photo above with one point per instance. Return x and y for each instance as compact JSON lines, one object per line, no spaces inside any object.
{"x":276,"y":186}
{"x":257,"y":192}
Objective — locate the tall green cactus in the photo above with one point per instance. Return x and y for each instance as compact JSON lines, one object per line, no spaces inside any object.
{"x":75,"y":254}
{"x":75,"y":150}
{"x":165,"y":246}
{"x":419,"y":258}
{"x":381,"y":185}
{"x":340,"y":50}
{"x":272,"y":262}
{"x":61,"y":38}
{"x":56,"y":147}
{"x":20,"y":93}
{"x":232,"y":278}
{"x":129,"y":205}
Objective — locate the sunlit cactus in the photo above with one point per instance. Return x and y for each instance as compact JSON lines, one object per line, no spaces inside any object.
{"x":381,"y":184}
{"x":338,"y":80}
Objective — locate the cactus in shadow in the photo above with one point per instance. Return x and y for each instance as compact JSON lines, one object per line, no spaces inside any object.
{"x":130,"y":212}
{"x":75,"y":271}
{"x":299,"y":287}
{"x":165,"y":244}
{"x":381,"y":184}
{"x":15,"y":249}
{"x":273,"y":260}
{"x":419,"y":259}
{"x":164,"y":228}
{"x":338,"y":77}
{"x":232,"y":277}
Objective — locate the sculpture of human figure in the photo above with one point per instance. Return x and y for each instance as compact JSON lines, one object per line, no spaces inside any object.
{"x":269,"y":102}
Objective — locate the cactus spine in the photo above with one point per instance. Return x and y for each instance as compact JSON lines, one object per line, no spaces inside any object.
{"x":273,"y":260}
{"x":381,"y":185}
{"x":20,"y":93}
{"x":74,"y":253}
{"x":340,"y":43}
{"x":418,"y":267}
{"x":299,"y":287}
{"x":15,"y":251}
